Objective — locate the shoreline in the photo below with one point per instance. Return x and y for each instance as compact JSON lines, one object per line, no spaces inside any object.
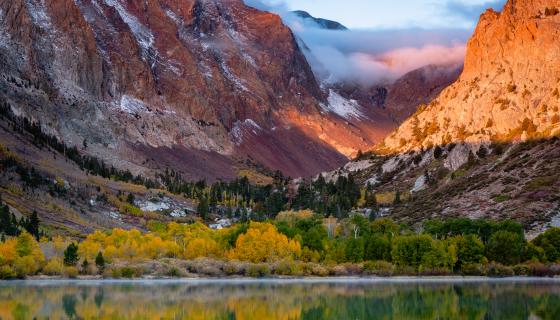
{"x":45,"y":280}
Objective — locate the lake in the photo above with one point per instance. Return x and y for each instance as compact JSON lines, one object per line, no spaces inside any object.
{"x":346,"y":298}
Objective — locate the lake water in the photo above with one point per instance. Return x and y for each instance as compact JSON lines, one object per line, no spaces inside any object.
{"x":408,"y":298}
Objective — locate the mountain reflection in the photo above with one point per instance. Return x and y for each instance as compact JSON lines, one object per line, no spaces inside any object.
{"x":274,"y":300}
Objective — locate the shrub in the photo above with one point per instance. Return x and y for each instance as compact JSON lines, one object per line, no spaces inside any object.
{"x":114,"y":273}
{"x":54,"y":267}
{"x":286,"y":268}
{"x":127,"y":272}
{"x":379,"y":268}
{"x":319,"y":270}
{"x":538,"y":269}
{"x":498,"y":270}
{"x":473,"y":269}
{"x":406,"y":271}
{"x":7,"y":273}
{"x":205,"y":266}
{"x":437,"y":271}
{"x":339,"y":270}
{"x":71,"y":272}
{"x":522,"y":270}
{"x":354,"y":268}
{"x":234,"y":268}
{"x":551,"y":11}
{"x":257,"y":270}
{"x":174,"y":272}
{"x":25,"y":266}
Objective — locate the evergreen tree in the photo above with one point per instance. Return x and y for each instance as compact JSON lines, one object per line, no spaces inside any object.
{"x":32,"y":225}
{"x":100,"y":262}
{"x":397,"y":197}
{"x":85,"y":266}
{"x":71,"y":255}
{"x":203,"y":208}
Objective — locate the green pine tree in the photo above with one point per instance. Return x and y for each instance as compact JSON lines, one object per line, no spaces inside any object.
{"x":71,"y":255}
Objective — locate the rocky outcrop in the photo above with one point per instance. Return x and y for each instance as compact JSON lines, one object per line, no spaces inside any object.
{"x":128,"y":76}
{"x":508,"y":91}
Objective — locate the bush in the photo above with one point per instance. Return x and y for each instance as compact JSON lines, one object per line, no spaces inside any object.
{"x":71,"y":272}
{"x":538,"y":269}
{"x":234,"y":268}
{"x":522,"y":270}
{"x":54,"y":268}
{"x":498,"y":270}
{"x":205,"y":266}
{"x":287,"y":268}
{"x":319,"y":271}
{"x":437,"y":271}
{"x":257,"y":270}
{"x":406,"y":271}
{"x":7,"y":273}
{"x":379,"y":268}
{"x":339,"y":270}
{"x":114,"y":273}
{"x":25,"y":266}
{"x":127,"y":272}
{"x":473,"y":269}
{"x":174,"y":272}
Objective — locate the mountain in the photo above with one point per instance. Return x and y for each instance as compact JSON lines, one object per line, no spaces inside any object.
{"x":509,"y":89}
{"x":323,"y":23}
{"x":203,"y":86}
{"x":487,"y":145}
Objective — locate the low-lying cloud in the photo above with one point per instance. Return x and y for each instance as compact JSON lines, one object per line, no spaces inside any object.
{"x":369,"y":57}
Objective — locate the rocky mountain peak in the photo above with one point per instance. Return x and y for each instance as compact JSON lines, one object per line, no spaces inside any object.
{"x":509,"y":87}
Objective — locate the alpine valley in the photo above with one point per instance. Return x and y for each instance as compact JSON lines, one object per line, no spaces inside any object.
{"x":195,"y":129}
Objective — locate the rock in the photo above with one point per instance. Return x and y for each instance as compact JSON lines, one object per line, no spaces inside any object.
{"x":509,"y":84}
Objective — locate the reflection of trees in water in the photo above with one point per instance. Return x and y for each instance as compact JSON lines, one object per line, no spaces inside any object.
{"x":282,"y":301}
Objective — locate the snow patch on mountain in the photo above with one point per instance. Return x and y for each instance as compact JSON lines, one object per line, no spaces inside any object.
{"x":131,"y":105}
{"x":241,"y":128}
{"x":358,"y":165}
{"x":143,"y":35}
{"x":38,"y":13}
{"x":346,"y":108}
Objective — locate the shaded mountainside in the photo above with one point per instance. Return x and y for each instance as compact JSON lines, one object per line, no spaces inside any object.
{"x":203,"y":84}
{"x":488,"y":145}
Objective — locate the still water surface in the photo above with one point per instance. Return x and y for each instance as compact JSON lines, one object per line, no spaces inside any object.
{"x":283,"y":299}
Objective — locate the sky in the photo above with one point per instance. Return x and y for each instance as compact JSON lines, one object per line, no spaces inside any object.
{"x":387,"y":38}
{"x":383,"y":14}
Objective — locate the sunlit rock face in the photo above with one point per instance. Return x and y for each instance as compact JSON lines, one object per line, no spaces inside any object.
{"x":149,"y":83}
{"x":509,"y":89}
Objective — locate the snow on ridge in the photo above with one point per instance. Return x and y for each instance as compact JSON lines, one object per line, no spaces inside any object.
{"x":4,"y":35}
{"x":131,"y":105}
{"x":38,"y":12}
{"x":232,"y":77}
{"x":236,"y":132}
{"x":343,"y":107}
{"x":356,"y":166}
{"x":143,"y":35}
{"x":172,"y":16}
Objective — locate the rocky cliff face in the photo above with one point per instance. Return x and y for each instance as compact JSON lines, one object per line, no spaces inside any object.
{"x":508,"y":91}
{"x":197,"y":84}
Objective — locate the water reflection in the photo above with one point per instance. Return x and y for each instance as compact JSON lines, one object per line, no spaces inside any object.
{"x":279,"y":300}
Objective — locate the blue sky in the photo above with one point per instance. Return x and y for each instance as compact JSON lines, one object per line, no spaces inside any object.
{"x":391,"y":14}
